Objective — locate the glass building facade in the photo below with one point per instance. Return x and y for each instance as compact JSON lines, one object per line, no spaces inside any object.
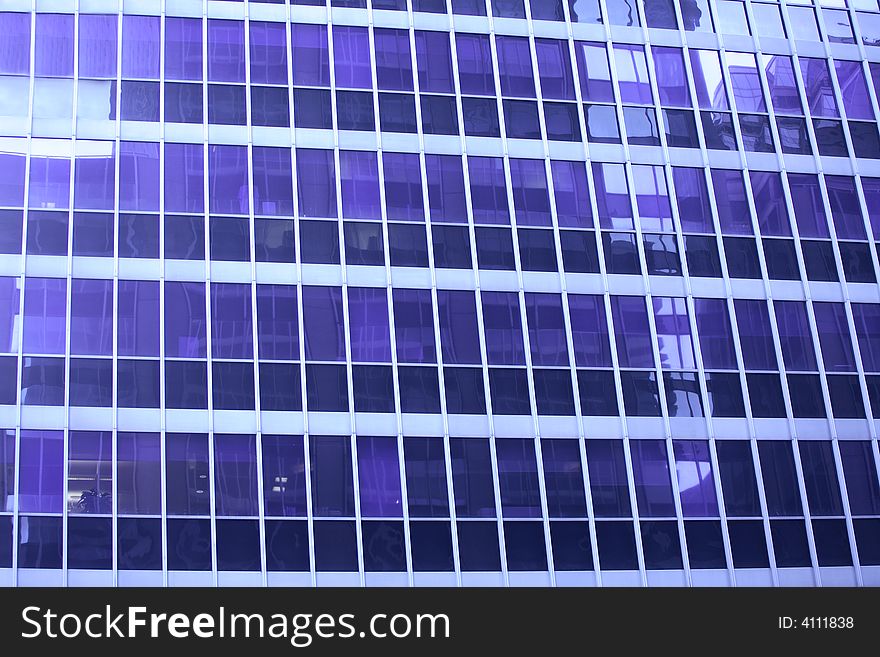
{"x":439,"y":292}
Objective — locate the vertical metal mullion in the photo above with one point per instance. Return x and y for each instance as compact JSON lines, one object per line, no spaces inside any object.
{"x":594,"y":545}
{"x":16,"y":521}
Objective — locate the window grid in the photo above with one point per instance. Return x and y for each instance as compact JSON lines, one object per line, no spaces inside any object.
{"x":523,"y":287}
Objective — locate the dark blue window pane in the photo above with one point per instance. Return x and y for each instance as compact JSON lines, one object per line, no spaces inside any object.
{"x":748,"y":543}
{"x":525,"y":546}
{"x":40,"y":541}
{"x":139,"y":543}
{"x":189,"y":544}
{"x":790,"y":544}
{"x":419,"y":389}
{"x":335,"y":546}
{"x":383,"y":543}
{"x":465,"y":390}
{"x":90,"y":543}
{"x":705,"y":544}
{"x":287,"y":545}
{"x":426,"y":490}
{"x":472,"y":478}
{"x":661,"y":545}
{"x":238,"y":545}
{"x":331,"y":476}
{"x":478,"y":546}
{"x":431,"y":544}
{"x":617,"y":546}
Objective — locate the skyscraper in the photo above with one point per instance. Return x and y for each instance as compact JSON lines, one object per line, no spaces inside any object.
{"x":439,"y":292}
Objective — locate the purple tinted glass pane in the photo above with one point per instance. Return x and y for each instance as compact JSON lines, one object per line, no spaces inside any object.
{"x":608,"y":469}
{"x":89,"y":475}
{"x":15,"y":48}
{"x":502,"y":325}
{"x":97,"y":46}
{"x":871,"y":189}
{"x":41,"y":472}
{"x":139,"y":176}
{"x":403,"y":186}
{"x":277,"y":325}
{"x":183,"y":48}
{"x":632,"y":332}
{"x":457,"y":311}
{"x":846,"y":212}
{"x":594,"y":71}
{"x":860,"y":472}
{"x":834,"y":337}
{"x":359,"y":174}
{"x":770,"y":203}
{"x":715,"y":333}
{"x":672,"y":81}
{"x":518,"y":478}
{"x":393,"y":59}
{"x":10,"y":327}
{"x":226,"y":51}
{"x":475,"y":64}
{"x":563,"y":478}
{"x":589,"y":330}
{"x":806,"y":199}
{"x":547,"y":337}
{"x":731,"y":202}
{"x":756,"y":340}
{"x":652,"y":197}
{"x":554,"y":69}
{"x":54,"y":45}
{"x":818,"y":88}
{"x":316,"y":182}
{"x":379,"y":477}
{"x":187,"y":470}
{"x":94,"y":175}
{"x":414,"y":326}
{"x":45,"y":307}
{"x":185,"y":325}
{"x":91,"y":317}
{"x":235,"y":475}
{"x":692,"y":198}
{"x":228,"y":179}
{"x":273,"y":181}
{"x":311,"y":57}
{"x":140,"y":46}
{"x":434,"y":61}
{"x":268,"y":49}
{"x":650,"y":466}
{"x":612,"y":195}
{"x":745,"y":82}
{"x":446,"y":194}
{"x":138,"y":473}
{"x":632,"y":74}
{"x":531,"y":200}
{"x":138,"y":318}
{"x":795,"y":336}
{"x":853,"y":90}
{"x":368,"y":322}
{"x":488,"y":190}
{"x":515,"y":66}
{"x":323,"y":323}
{"x":781,"y":81}
{"x":184,"y":178}
{"x":284,"y":481}
{"x":351,"y":57}
{"x":12,"y":183}
{"x":571,"y":192}
{"x":674,"y":341}
{"x":696,"y":487}
{"x":49,"y":182}
{"x":7,"y":470}
{"x":866,"y":317}
{"x":231,"y":321}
